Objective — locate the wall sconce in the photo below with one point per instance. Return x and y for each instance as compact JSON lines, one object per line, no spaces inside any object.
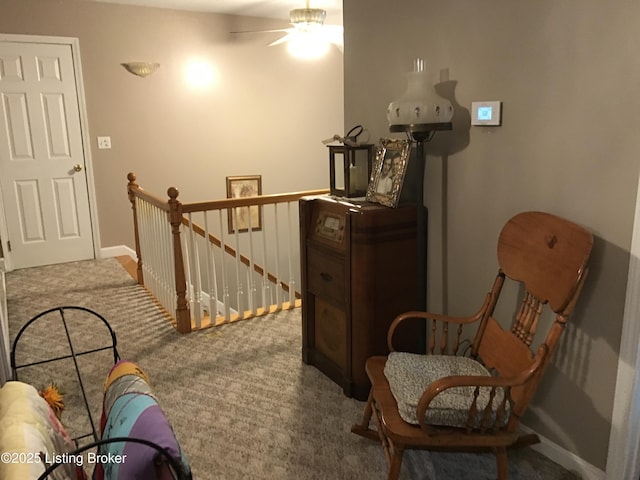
{"x":141,"y":69}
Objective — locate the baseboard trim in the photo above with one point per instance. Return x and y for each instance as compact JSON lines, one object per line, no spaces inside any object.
{"x":118,"y":251}
{"x":565,"y":458}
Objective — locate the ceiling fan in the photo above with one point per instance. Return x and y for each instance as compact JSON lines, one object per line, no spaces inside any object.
{"x":308,"y":37}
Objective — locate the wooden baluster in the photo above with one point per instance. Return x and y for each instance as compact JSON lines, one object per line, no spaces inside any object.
{"x":291,"y":241}
{"x":140,"y":206}
{"x":195,"y":284}
{"x":444,"y":337}
{"x":456,"y":345}
{"x":251,"y":283}
{"x":151,"y":232}
{"x":472,"y":418}
{"x":183,"y":317}
{"x":527,"y":320}
{"x":533,"y":327}
{"x":501,"y":411}
{"x":240,"y":292}
{"x":530,"y":319}
{"x":132,"y":198}
{"x":211,"y":273}
{"x":266,"y":294}
{"x":225,"y":280}
{"x":432,"y":337}
{"x":186,"y":258}
{"x":145,"y":240}
{"x":487,"y":414}
{"x":278,"y":285}
{"x":165,"y":253}
{"x":518,"y":328}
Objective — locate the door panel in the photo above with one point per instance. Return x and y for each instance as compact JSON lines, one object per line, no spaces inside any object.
{"x":66,"y":208}
{"x":56,"y":125}
{"x":43,"y":180}
{"x":30,"y":214}
{"x":18,"y":129}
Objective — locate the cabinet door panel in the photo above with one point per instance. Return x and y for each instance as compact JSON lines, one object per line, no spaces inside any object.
{"x":326,"y":277}
{"x":331,"y":333}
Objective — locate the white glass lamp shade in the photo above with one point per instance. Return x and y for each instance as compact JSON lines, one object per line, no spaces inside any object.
{"x":419,"y":104}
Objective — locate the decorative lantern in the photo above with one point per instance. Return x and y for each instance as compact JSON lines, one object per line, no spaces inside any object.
{"x":350,"y":169}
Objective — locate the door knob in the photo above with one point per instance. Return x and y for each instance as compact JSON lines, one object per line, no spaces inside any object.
{"x":77,"y":167}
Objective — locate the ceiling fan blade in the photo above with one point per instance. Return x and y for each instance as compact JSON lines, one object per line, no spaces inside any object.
{"x":282,"y":39}
{"x":263,"y":31}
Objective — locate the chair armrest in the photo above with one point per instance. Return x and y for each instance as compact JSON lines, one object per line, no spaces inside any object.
{"x":433,"y":320}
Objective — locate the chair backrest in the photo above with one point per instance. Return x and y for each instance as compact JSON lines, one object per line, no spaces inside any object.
{"x":548,"y":256}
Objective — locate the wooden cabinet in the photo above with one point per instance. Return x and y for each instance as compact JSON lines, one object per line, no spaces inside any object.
{"x":359,"y":270}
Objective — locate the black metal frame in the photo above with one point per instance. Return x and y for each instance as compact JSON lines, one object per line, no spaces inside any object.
{"x":177,"y":470}
{"x":73,"y":355}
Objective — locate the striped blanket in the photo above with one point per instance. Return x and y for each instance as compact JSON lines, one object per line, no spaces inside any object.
{"x":130,"y":409}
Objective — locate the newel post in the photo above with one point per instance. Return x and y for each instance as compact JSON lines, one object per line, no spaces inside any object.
{"x":183,"y":316}
{"x":132,"y":198}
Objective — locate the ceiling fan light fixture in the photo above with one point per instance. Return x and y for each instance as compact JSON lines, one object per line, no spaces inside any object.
{"x":307,"y":45}
{"x":308,"y":37}
{"x":307,"y":16}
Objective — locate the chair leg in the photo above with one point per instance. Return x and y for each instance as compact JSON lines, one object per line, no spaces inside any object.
{"x":501,"y":462}
{"x":395,"y":462}
{"x":362,"y":428}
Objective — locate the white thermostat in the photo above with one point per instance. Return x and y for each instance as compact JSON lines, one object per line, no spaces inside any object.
{"x":486,"y":113}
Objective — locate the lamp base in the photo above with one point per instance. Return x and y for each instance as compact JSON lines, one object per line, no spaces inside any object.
{"x":421,"y":132}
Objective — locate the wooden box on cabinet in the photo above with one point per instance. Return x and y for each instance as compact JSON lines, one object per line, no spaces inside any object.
{"x":359,"y":270}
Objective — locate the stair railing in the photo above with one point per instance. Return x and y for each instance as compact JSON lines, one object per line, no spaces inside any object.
{"x":205,"y":272}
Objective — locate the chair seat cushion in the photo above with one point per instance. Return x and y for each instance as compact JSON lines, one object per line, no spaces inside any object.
{"x":409,"y":374}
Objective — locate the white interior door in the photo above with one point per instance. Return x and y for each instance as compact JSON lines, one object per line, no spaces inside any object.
{"x":42,"y":163}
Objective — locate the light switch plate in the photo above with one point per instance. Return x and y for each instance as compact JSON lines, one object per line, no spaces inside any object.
{"x":104,"y":142}
{"x":486,"y":113}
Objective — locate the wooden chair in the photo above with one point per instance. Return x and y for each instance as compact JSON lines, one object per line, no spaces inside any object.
{"x":469,"y":391}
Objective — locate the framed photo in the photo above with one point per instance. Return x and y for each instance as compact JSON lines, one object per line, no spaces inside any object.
{"x":387,"y":174}
{"x":239,"y":187}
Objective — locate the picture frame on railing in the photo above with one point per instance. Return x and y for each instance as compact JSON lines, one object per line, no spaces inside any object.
{"x":244,"y":218}
{"x":388,"y":172}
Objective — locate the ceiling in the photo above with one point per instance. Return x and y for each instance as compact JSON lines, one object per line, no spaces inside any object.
{"x":253,"y":8}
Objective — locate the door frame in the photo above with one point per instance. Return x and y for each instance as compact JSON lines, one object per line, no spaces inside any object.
{"x":623,"y":460}
{"x":74,"y":43}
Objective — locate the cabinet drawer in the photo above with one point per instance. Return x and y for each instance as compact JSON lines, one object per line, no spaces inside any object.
{"x":326,"y":276}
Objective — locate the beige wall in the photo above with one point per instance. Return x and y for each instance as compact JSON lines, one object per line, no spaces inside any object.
{"x":266,"y":115}
{"x":568,"y":76}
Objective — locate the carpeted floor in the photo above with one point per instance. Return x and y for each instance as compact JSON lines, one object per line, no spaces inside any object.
{"x":242,"y":403}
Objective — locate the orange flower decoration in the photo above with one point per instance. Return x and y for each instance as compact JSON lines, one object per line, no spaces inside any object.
{"x":54,"y":397}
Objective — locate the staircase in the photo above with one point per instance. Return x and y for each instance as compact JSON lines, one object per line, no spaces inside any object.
{"x":204,"y":271}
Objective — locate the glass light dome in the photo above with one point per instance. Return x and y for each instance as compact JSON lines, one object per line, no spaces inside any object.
{"x":420,"y":103}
